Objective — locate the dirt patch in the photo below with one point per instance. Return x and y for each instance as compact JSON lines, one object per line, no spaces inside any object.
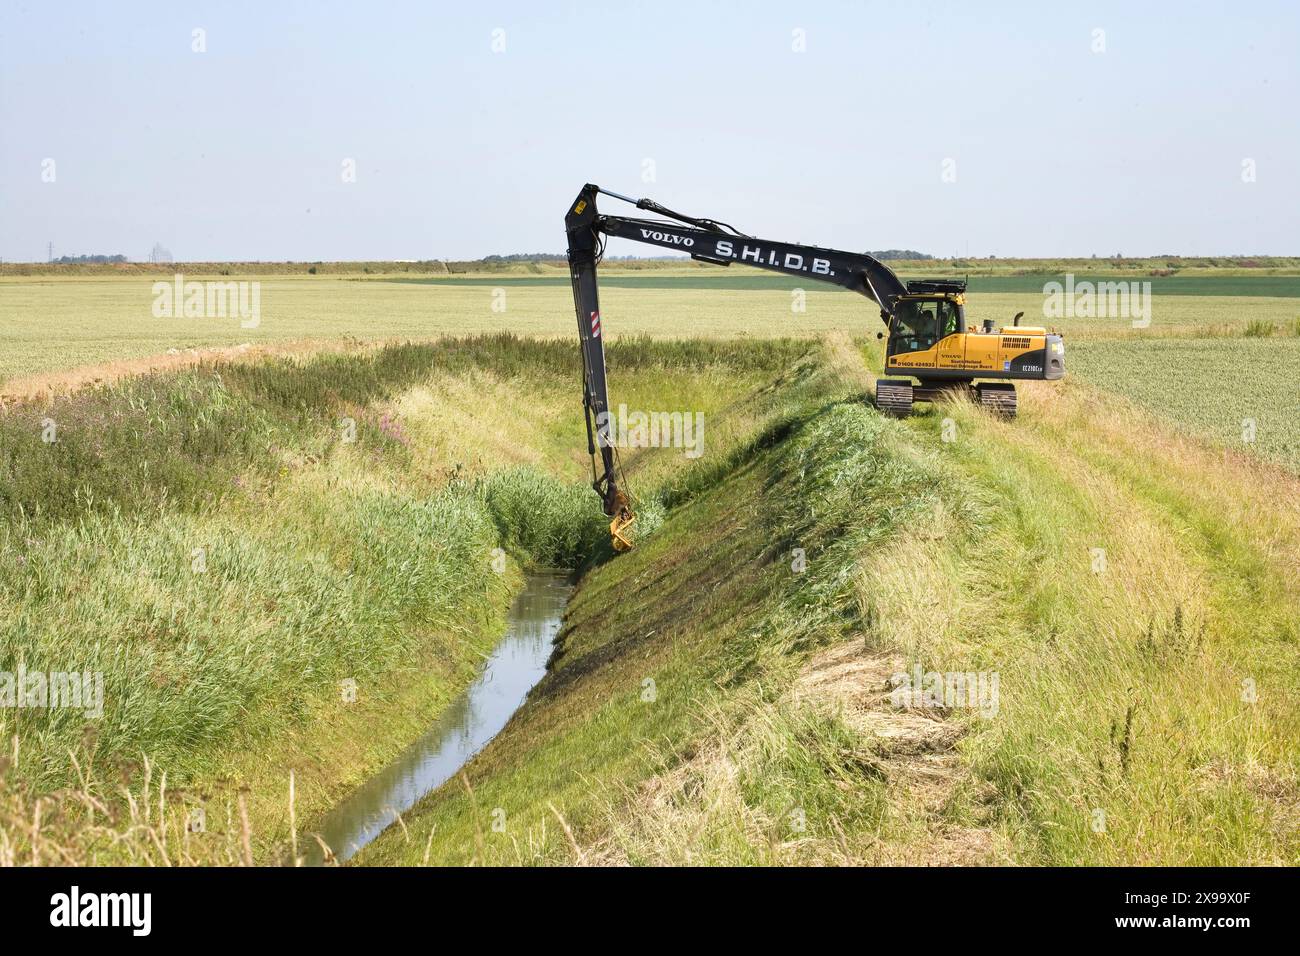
{"x":44,"y":385}
{"x":916,"y":749}
{"x":695,"y":811}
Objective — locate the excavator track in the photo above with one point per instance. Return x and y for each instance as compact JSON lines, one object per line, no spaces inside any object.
{"x":894,"y":397}
{"x":997,"y":397}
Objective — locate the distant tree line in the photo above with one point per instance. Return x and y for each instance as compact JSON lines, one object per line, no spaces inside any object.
{"x":84,"y":260}
{"x":899,"y":254}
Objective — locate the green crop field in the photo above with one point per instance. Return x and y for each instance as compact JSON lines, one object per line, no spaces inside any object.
{"x":732,"y":279}
{"x":1242,"y":393}
{"x":50,"y":324}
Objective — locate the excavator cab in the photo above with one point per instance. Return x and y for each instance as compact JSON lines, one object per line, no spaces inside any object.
{"x":921,"y":320}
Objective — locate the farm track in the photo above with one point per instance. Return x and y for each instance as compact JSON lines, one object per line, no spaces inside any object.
{"x":63,"y":381}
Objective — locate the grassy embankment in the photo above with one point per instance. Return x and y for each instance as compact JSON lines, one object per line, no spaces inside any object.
{"x":212,"y":543}
{"x":1201,"y":598}
{"x":1135,"y":591}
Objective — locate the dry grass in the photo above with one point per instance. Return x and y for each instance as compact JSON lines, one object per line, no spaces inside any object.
{"x":144,"y":823}
{"x":1120,"y":683}
{"x":61,"y":381}
{"x":701,"y":811}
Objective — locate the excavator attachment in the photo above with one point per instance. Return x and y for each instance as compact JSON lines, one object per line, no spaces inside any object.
{"x":619,"y":507}
{"x":622,"y":523}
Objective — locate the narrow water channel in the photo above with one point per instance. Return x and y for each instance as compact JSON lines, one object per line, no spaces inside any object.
{"x":471,"y":720}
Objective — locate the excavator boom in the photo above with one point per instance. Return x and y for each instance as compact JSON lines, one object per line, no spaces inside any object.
{"x":703,"y":239}
{"x":585,"y":245}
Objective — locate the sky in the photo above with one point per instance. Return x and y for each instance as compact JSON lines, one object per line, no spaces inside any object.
{"x":345,"y":131}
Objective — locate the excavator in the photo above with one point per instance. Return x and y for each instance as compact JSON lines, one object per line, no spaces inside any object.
{"x":925,"y":319}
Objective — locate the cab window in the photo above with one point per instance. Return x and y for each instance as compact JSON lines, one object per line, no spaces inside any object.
{"x":920,"y":324}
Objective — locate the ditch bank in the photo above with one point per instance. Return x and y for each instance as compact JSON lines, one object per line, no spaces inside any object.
{"x":286,"y":566}
{"x":721,"y":694}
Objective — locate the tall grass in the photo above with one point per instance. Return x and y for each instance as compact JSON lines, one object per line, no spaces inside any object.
{"x":545,"y":521}
{"x":179,"y":440}
{"x":202,"y":539}
{"x":211,"y":628}
{"x":209,"y":541}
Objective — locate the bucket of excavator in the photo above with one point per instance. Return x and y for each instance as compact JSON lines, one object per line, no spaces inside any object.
{"x":619,"y":528}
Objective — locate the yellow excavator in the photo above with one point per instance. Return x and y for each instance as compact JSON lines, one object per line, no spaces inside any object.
{"x":928,"y":339}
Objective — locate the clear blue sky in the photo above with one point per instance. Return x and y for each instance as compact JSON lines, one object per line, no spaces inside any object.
{"x":460,"y":151}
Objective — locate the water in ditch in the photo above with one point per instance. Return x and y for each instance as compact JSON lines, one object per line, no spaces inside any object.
{"x":471,"y":720}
